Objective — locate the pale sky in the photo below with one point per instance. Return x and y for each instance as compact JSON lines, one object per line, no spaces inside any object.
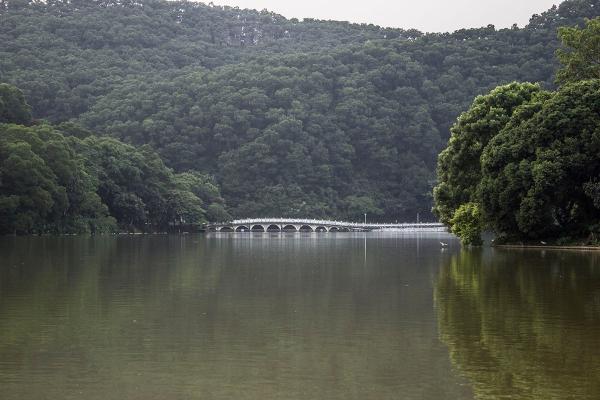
{"x":425,"y":15}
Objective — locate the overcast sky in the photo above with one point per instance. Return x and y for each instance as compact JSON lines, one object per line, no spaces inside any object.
{"x":425,"y":15}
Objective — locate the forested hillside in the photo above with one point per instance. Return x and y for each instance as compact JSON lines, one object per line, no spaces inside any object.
{"x":295,"y":118}
{"x":66,"y":54}
{"x":63,"y":179}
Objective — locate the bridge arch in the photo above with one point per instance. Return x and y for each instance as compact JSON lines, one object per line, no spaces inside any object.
{"x":242,"y":228}
{"x":321,"y":228}
{"x":334,"y":229}
{"x":226,"y":229}
{"x":258,"y":228}
{"x":306,"y":228}
{"x":273,"y":228}
{"x":289,"y":228}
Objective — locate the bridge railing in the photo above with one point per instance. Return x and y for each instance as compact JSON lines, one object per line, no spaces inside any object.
{"x":295,"y":221}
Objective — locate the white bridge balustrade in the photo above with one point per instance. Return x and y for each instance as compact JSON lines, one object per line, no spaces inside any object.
{"x":314,"y":225}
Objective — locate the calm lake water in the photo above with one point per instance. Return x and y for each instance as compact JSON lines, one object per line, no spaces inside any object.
{"x":298,"y":316}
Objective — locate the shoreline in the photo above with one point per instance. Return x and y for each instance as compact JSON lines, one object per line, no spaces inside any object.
{"x":548,"y":247}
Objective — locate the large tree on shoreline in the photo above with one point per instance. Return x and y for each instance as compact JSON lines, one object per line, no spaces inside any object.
{"x":532,"y":173}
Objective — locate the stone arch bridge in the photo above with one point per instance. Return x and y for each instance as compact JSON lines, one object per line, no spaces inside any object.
{"x":312,"y":225}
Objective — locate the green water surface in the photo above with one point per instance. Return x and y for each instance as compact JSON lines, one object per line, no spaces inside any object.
{"x":295,"y":316}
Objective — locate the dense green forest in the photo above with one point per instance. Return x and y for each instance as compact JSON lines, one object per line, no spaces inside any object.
{"x":295,"y":118}
{"x":63,"y":179}
{"x":523,"y":161}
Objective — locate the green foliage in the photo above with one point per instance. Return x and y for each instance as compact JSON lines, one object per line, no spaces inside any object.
{"x":539,"y":173}
{"x":50,"y":183}
{"x":290,"y":117}
{"x":580,"y":56}
{"x":357,"y":206}
{"x":467,"y":224}
{"x":537,"y":176}
{"x":459,"y":169}
{"x":140,"y":191}
{"x":207,"y":191}
{"x":13,"y":107}
{"x":592,"y":190}
{"x":68,"y":54}
{"x":44,"y":186}
{"x":533,"y":166}
{"x":216,"y":212}
{"x":290,"y":135}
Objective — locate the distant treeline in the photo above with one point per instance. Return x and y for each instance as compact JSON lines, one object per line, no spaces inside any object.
{"x":292,"y":118}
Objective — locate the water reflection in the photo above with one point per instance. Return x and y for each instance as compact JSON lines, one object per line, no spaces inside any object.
{"x":224,"y":317}
{"x":523,"y":324}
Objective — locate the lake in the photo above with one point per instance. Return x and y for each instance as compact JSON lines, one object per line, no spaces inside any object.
{"x":295,"y":316}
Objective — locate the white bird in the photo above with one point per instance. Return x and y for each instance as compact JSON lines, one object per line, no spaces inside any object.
{"x":544,"y":243}
{"x":444,"y":244}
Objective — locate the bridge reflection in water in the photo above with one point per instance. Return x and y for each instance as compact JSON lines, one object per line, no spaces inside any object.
{"x":313,"y":225}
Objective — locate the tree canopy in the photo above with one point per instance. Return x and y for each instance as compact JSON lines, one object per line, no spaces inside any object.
{"x":13,"y":107}
{"x":459,"y":166}
{"x":540,"y":173}
{"x":532,"y":169}
{"x":296,"y":118}
{"x":52,"y":181}
{"x":580,"y":55}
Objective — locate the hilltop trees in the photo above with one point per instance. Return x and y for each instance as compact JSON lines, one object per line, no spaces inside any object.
{"x":66,"y":55}
{"x":580,"y":55}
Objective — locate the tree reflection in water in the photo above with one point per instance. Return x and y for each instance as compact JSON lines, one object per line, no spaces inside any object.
{"x":523,"y":324}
